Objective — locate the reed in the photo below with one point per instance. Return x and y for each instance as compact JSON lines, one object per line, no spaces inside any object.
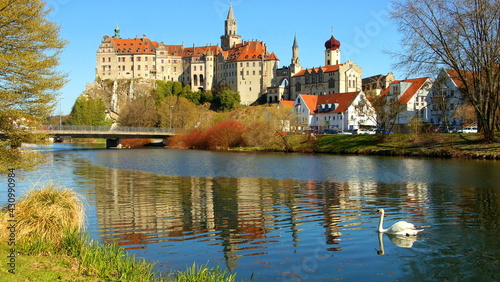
{"x":203,"y":273}
{"x":44,"y":216}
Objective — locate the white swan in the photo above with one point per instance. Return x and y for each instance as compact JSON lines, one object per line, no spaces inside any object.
{"x":400,"y":227}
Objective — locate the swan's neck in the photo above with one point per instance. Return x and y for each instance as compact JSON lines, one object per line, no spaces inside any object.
{"x":381,"y":223}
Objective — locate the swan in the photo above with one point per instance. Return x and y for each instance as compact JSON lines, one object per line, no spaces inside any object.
{"x":400,"y":227}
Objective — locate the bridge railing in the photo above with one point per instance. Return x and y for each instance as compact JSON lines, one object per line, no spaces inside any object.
{"x":113,"y":128}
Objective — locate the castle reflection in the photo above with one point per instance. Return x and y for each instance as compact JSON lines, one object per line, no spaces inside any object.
{"x":244,"y":216}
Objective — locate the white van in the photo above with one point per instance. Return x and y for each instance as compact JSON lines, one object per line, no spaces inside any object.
{"x":469,"y":129}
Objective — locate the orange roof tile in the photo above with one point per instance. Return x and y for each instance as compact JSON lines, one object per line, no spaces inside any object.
{"x":416,"y":84}
{"x":201,"y":51}
{"x":249,"y":51}
{"x":344,"y":100}
{"x":287,"y":103}
{"x":325,"y":69}
{"x":454,"y":75}
{"x":134,"y":46}
{"x":310,"y":101}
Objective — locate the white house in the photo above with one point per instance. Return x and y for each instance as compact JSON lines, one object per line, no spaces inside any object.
{"x":445,"y":98}
{"x":341,"y":111}
{"x":410,"y":98}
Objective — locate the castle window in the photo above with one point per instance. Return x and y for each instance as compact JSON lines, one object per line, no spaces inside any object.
{"x":146,"y":59}
{"x":201,"y":68}
{"x":195,"y":80}
{"x":201,"y":79}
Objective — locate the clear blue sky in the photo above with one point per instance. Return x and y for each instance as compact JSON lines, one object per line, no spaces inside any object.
{"x":362,"y":27}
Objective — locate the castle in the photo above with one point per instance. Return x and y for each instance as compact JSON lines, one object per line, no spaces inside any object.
{"x":245,"y":66}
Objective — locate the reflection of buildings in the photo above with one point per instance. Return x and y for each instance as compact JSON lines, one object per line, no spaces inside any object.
{"x":244,"y":216}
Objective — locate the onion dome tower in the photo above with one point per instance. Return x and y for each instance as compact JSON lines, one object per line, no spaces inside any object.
{"x":332,"y":52}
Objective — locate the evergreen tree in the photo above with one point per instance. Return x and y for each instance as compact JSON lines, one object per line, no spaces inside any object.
{"x":29,"y":54}
{"x":88,"y":111}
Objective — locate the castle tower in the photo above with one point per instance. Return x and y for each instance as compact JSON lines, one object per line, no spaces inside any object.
{"x":117,"y":33}
{"x":332,"y":52}
{"x":295,"y":66}
{"x":230,"y":37}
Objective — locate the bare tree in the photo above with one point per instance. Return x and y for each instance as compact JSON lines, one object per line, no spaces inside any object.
{"x":461,"y":35}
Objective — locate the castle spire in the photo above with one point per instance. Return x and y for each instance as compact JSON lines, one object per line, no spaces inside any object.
{"x":230,"y":14}
{"x":230,"y":37}
{"x":295,"y":42}
{"x":117,"y":33}
{"x":295,"y":66}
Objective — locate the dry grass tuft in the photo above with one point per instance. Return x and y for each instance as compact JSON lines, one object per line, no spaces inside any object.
{"x":46,"y":214}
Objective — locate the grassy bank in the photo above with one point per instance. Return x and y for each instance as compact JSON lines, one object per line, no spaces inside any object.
{"x":423,"y":145}
{"x":50,"y":246}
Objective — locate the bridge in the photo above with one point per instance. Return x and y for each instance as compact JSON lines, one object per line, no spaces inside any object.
{"x":112,"y":134}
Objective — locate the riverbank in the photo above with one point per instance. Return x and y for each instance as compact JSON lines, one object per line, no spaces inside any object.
{"x":45,"y":242}
{"x":469,"y":146}
{"x":465,"y":146}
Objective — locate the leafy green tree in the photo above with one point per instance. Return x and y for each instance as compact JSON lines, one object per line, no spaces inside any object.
{"x":30,"y":50}
{"x":177,"y":88}
{"x":88,"y":111}
{"x":227,"y":100}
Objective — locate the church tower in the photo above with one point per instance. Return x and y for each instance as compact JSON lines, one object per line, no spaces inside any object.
{"x":295,"y":66}
{"x":332,"y":52}
{"x":230,"y":37}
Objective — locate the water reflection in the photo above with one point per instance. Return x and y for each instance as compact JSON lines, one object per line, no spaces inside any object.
{"x":317,"y":225}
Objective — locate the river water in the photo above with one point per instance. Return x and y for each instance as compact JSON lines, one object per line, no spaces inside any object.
{"x":291,"y":217}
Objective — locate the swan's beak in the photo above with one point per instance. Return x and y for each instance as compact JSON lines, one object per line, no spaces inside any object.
{"x":377,"y":211}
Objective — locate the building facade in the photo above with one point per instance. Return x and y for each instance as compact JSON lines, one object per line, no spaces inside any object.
{"x":245,"y":66}
{"x":333,"y":77}
{"x":340,"y":111}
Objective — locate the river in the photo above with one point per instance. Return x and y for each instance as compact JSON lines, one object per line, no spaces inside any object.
{"x":291,"y":217}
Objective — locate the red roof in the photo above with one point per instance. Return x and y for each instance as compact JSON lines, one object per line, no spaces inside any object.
{"x":416,"y":84}
{"x":454,"y":75}
{"x":325,"y":69}
{"x":310,"y":101}
{"x":332,"y":44}
{"x":287,"y":103}
{"x":249,"y":51}
{"x":201,"y":51}
{"x":344,"y":100}
{"x":134,"y":46}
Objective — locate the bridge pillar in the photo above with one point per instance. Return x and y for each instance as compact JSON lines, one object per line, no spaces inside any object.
{"x":112,"y":143}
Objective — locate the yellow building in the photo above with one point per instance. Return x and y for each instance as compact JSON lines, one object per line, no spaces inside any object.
{"x":246,"y":66}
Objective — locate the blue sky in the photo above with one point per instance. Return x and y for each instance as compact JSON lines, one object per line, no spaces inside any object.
{"x":362,"y":27}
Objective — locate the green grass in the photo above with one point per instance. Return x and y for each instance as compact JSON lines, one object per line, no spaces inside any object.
{"x":50,"y":246}
{"x":202,"y":273}
{"x":426,"y":145}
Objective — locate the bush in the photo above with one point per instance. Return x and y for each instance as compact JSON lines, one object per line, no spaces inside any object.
{"x":44,"y":217}
{"x":223,"y":135}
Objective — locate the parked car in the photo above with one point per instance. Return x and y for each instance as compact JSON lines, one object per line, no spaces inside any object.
{"x":329,"y":131}
{"x":383,"y":131}
{"x":345,"y":132}
{"x":469,"y":129}
{"x":366,"y":131}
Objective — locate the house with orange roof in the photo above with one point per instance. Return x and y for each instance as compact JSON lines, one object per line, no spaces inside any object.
{"x":333,"y":77}
{"x":247,"y":67}
{"x":445,"y":99}
{"x":340,"y":111}
{"x":409,"y":98}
